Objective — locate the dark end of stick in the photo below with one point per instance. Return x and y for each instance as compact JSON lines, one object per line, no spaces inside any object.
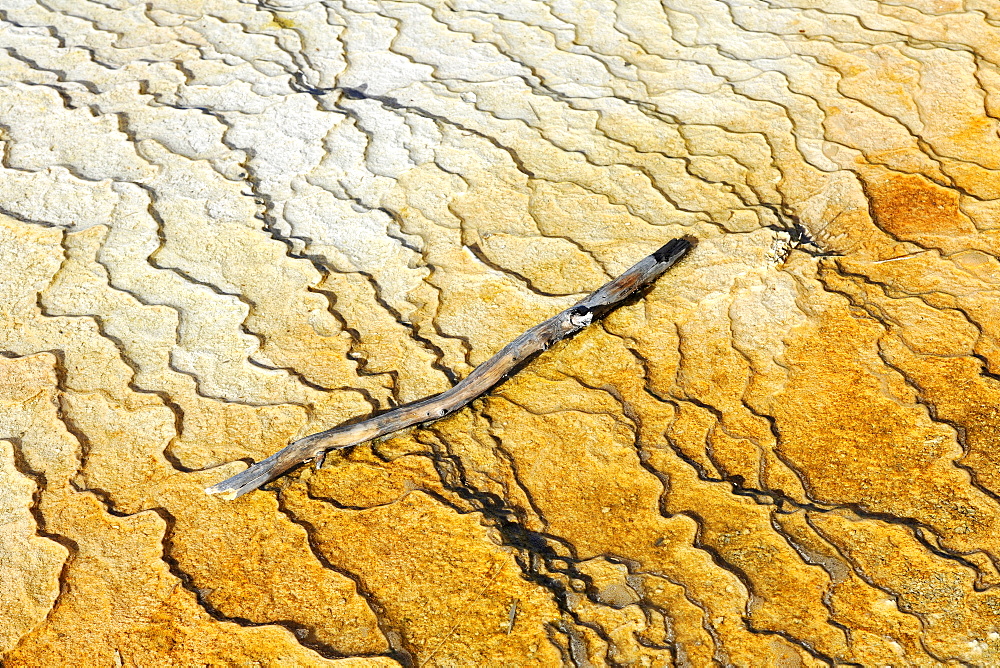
{"x":675,"y":249}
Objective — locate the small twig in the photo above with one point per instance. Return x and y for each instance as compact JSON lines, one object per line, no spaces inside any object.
{"x":481,"y":380}
{"x":904,"y":257}
{"x":512,"y":615}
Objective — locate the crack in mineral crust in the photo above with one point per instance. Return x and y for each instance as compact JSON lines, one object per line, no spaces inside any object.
{"x":225,"y":225}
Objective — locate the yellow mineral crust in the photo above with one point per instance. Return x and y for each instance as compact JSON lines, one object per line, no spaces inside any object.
{"x":225,"y":226}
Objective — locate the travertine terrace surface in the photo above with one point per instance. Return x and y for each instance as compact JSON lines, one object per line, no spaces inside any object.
{"x":226,"y":224}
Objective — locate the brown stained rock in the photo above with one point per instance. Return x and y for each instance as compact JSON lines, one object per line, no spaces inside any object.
{"x":587,"y":463}
{"x":120,"y":601}
{"x":224,"y":226}
{"x":405,"y":551}
{"x":881,"y":632}
{"x":633,"y":635}
{"x":957,"y":620}
{"x":235,"y":555}
{"x":362,"y":481}
{"x":858,"y":424}
{"x":908,"y":206}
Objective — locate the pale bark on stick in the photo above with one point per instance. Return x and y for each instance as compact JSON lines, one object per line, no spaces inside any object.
{"x":483,"y":378}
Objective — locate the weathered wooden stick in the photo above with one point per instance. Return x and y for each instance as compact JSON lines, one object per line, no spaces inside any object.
{"x":482,"y":379}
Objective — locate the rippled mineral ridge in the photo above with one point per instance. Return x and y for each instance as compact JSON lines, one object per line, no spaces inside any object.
{"x":224,"y":225}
